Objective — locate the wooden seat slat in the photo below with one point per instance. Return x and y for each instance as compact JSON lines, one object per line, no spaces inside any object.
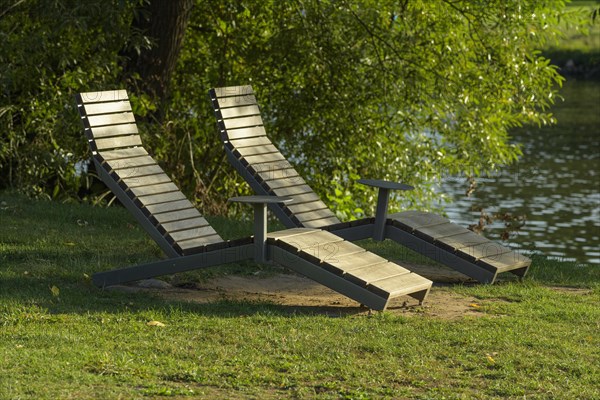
{"x":170,"y":227}
{"x":241,"y":111}
{"x":320,"y":223}
{"x":399,"y":285}
{"x":193,"y":233}
{"x":249,"y":142}
{"x":434,"y":232}
{"x":105,"y":108}
{"x":292,"y":191}
{"x":243,"y":122}
{"x":232,"y":91}
{"x":411,"y":220}
{"x":118,"y":154}
{"x":145,"y":180}
{"x":188,"y":213}
{"x":455,"y":242}
{"x":111,"y":130}
{"x":132,"y":162}
{"x":340,"y":264}
{"x":485,"y":250}
{"x":505,"y":261}
{"x":115,"y":142}
{"x":154,"y":189}
{"x":267,"y":170}
{"x":137,"y":171}
{"x":372,"y":273}
{"x":255,"y":150}
{"x":103,"y":96}
{"x":265,"y":158}
{"x":314,"y":214}
{"x":199,"y":242}
{"x":304,"y":207}
{"x":159,"y":199}
{"x":246,"y":132}
{"x":110,"y":119}
{"x":154,"y":209}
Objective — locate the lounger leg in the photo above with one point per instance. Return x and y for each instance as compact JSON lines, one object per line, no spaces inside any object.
{"x":260,"y":232}
{"x":381,"y":214}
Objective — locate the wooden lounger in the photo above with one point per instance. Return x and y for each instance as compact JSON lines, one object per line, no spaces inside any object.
{"x":190,"y":242}
{"x":268,"y":172}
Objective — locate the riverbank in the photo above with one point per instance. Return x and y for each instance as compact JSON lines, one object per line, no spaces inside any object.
{"x":577,"y":54}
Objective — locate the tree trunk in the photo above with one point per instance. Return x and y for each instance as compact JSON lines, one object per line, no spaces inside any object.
{"x":164,"y":22}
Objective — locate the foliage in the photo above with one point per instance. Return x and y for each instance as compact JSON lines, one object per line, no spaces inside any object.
{"x":50,"y":51}
{"x":407,"y":91}
{"x":62,"y":338}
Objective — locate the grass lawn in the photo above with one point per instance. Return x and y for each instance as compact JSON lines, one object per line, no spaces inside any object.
{"x":61,"y":338}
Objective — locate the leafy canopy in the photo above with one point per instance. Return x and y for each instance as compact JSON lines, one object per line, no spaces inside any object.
{"x":400,"y":90}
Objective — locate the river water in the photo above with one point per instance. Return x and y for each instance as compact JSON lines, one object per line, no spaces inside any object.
{"x":555,"y":184}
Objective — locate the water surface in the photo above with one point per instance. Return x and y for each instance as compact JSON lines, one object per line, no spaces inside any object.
{"x":556,"y":183}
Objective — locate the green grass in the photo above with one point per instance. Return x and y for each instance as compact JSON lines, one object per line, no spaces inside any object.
{"x":61,"y":338}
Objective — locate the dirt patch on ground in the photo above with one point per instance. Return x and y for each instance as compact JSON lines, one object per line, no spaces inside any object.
{"x":299,"y":294}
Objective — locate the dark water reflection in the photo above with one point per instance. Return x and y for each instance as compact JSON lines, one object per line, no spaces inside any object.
{"x":556,"y":184}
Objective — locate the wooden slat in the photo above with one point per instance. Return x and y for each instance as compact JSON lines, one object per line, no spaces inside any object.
{"x":314,"y":214}
{"x":265,"y":158}
{"x":304,"y":238}
{"x":283,"y":182}
{"x":301,"y":199}
{"x":320,"y":223}
{"x":199,"y":242}
{"x":506,"y":261}
{"x":235,"y":101}
{"x":122,"y":153}
{"x":304,"y":207}
{"x":137,"y":171}
{"x":268,"y":170}
{"x":285,"y":173}
{"x":188,"y":213}
{"x":105,"y":108}
{"x":229,"y":91}
{"x":254,"y":150}
{"x":399,"y":285}
{"x":154,"y":189}
{"x":434,"y":232}
{"x":249,"y":142}
{"x":108,"y":95}
{"x":133,"y":162}
{"x":315,"y":244}
{"x":146,"y":180}
{"x":159,"y":199}
{"x":111,"y":130}
{"x":411,"y":220}
{"x":242,"y":111}
{"x":341,"y":264}
{"x":110,"y":119}
{"x":194,"y":233}
{"x":168,"y":207}
{"x":484,"y":250}
{"x":372,"y":273}
{"x":455,"y":242}
{"x":116,"y":142}
{"x":244,"y":122}
{"x":292,"y":191}
{"x":243,"y":133}
{"x":287,"y":233}
{"x":183,"y":224}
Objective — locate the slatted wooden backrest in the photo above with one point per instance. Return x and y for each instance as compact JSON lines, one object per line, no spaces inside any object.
{"x":243,"y":133}
{"x":117,"y":148}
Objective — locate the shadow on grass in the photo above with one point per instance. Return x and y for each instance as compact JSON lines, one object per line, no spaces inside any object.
{"x":61,"y":297}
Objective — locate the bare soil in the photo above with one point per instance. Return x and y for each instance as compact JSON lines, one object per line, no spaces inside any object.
{"x":299,"y":294}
